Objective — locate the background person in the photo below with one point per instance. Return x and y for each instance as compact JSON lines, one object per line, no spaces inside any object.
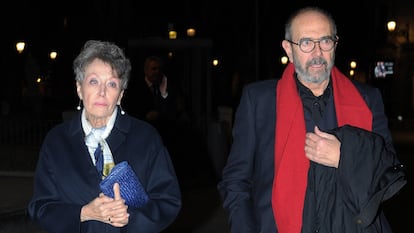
{"x":67,"y":195}
{"x":157,"y":99}
{"x":311,"y":151}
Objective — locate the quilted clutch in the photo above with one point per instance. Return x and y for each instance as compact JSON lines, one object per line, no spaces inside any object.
{"x":131,"y":188}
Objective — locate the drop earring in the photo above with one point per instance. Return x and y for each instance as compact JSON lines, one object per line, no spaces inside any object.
{"x":79,"y":105}
{"x":122,"y":111}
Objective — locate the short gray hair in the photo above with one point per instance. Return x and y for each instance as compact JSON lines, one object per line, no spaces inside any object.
{"x":109,"y":53}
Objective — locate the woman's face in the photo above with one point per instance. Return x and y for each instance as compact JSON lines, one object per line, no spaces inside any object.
{"x":100,"y":92}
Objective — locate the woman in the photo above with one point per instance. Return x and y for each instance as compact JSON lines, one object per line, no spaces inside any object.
{"x":67,"y":195}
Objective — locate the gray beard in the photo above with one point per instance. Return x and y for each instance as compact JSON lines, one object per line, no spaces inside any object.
{"x":304,"y":75}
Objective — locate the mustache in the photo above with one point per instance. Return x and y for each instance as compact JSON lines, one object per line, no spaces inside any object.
{"x":317,"y":61}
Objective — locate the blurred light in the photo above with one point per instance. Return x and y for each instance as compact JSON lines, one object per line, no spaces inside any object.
{"x":53,"y":55}
{"x":284,"y":60}
{"x":215,"y":62}
{"x":170,"y":54}
{"x":391,"y":25}
{"x":191,"y":32}
{"x":20,"y":46}
{"x":352,"y":73}
{"x":39,"y":79}
{"x":401,"y":34}
{"x":172,"y":34}
{"x":399,"y":118}
{"x":353,"y":64}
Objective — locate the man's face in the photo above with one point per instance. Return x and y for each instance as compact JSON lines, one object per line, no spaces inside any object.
{"x":314,"y":66}
{"x":153,"y":71}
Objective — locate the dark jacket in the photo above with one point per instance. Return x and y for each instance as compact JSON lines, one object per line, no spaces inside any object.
{"x":348,"y":199}
{"x":66,"y":178}
{"x":246,"y":187}
{"x":140,"y":100}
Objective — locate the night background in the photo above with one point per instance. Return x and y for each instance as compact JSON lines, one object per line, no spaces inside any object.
{"x":244,"y":36}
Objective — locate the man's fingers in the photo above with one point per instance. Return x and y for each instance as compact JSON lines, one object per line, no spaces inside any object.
{"x":321,"y":133}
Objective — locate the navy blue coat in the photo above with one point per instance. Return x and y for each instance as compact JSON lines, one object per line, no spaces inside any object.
{"x":246,"y":186}
{"x":66,"y":178}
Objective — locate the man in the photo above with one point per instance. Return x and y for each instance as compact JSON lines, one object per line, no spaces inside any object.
{"x":311,"y":152}
{"x":155,"y":102}
{"x":155,"y":99}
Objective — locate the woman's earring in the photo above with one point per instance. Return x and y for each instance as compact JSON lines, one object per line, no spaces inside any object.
{"x":79,"y":105}
{"x":122,"y":111}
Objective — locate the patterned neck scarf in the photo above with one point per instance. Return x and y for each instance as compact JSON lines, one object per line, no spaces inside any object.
{"x":95,"y":136}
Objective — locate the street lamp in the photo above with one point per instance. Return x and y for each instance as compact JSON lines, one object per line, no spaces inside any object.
{"x":284,"y":60}
{"x":400,"y":34}
{"x":20,"y":46}
{"x":352,"y":65}
{"x":391,"y":25}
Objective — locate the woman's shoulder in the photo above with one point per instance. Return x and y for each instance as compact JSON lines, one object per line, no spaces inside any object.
{"x":131,"y":123}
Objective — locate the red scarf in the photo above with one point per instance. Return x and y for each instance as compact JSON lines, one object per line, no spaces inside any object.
{"x":291,"y":165}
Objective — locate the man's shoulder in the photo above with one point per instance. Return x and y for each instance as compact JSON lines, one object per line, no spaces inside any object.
{"x":262,"y":84}
{"x":365,"y":88}
{"x":262,"y":90}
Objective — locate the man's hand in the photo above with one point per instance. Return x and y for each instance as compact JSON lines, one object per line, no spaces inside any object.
{"x":163,"y":86}
{"x":322,"y":148}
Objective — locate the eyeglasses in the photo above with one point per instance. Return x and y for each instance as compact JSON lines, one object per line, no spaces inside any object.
{"x":307,"y":45}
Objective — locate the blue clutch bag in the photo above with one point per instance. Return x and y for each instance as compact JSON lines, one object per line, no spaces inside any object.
{"x":131,"y":188}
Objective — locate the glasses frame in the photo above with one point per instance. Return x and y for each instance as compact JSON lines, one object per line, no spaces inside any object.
{"x":334,"y":40}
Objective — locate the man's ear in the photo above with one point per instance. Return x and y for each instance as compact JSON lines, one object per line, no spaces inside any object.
{"x":287,"y":46}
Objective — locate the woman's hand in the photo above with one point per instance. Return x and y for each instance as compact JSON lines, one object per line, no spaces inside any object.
{"x":118,"y":211}
{"x":106,"y":209}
